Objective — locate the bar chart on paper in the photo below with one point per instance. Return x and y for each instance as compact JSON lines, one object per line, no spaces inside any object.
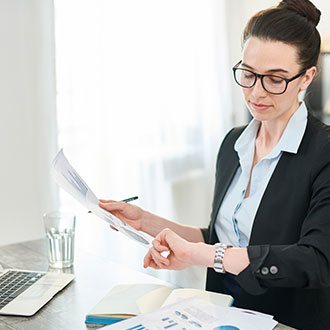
{"x":194,"y":314}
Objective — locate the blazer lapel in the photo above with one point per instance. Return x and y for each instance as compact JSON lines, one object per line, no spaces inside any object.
{"x":224,"y":176}
{"x":266,"y":210}
{"x":274,"y":209}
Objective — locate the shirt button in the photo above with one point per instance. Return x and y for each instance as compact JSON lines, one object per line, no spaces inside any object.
{"x":273,"y":270}
{"x":264,"y":270}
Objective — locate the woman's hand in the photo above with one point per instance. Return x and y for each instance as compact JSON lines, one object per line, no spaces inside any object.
{"x":181,"y":253}
{"x":131,"y":214}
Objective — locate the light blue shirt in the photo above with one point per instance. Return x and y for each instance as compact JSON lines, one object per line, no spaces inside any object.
{"x":236,"y":214}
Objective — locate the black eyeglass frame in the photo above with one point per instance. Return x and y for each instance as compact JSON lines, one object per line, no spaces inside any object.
{"x":261,"y":76}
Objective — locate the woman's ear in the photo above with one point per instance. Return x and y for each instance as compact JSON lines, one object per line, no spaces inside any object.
{"x":308,"y":77}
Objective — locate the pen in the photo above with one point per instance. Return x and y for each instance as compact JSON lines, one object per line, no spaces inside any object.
{"x":129,"y":199}
{"x":126,"y":200}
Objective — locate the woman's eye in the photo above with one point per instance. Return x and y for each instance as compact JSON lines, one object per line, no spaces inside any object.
{"x":248,"y":76}
{"x":275,"y":81}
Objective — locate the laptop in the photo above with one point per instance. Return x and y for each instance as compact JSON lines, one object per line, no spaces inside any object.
{"x":24,"y":292}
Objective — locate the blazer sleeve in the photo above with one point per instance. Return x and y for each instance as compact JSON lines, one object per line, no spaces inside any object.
{"x":305,"y":264}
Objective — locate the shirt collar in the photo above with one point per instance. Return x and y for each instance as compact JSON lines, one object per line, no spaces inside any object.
{"x":289,"y":142}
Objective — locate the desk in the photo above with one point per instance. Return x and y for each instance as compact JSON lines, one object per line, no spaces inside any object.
{"x":66,"y":311}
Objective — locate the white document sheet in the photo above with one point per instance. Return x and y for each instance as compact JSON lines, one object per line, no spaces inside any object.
{"x":194,"y":314}
{"x":68,"y":179}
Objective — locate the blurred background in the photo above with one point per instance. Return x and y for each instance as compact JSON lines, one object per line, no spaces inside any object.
{"x":138,"y":93}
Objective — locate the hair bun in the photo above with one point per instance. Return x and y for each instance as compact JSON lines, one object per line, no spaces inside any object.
{"x":302,"y":7}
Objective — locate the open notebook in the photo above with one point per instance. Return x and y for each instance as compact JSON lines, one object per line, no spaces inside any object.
{"x":128,"y":300}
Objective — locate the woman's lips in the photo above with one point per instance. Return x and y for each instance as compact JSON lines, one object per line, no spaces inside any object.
{"x":259,"y":107}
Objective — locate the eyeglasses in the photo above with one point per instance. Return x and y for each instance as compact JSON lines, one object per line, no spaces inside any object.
{"x":271,"y":83}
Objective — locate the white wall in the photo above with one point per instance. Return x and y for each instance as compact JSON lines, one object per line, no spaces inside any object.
{"x":27,"y":121}
{"x":324,"y":6}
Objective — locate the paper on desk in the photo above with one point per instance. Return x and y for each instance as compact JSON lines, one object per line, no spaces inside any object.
{"x":193,"y":314}
{"x":67,"y":178}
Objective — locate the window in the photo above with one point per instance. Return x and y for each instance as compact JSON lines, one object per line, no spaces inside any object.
{"x":143,"y":98}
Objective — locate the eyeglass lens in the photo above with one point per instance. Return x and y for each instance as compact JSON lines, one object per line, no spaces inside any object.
{"x":272,"y":84}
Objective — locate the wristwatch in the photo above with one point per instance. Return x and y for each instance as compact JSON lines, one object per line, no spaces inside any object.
{"x":220,"y":249}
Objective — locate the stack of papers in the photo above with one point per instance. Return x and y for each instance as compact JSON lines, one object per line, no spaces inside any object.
{"x":193,"y":314}
{"x":68,"y":179}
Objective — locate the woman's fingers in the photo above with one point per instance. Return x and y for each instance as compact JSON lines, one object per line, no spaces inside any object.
{"x":167,"y":240}
{"x":149,"y":261}
{"x":154,"y":259}
{"x":112,"y":206}
{"x":159,"y":246}
{"x":158,"y":258}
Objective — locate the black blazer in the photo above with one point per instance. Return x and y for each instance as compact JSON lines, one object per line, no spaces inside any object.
{"x":289,"y":247}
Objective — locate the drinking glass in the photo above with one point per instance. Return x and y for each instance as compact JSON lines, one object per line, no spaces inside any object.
{"x":60,"y":231}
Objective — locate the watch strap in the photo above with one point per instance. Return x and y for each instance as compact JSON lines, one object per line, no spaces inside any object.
{"x":220,"y":249}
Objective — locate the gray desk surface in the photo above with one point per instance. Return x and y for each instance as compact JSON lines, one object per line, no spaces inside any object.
{"x":94,"y":277}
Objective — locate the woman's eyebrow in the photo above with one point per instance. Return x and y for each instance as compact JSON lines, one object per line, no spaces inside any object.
{"x":271,"y":71}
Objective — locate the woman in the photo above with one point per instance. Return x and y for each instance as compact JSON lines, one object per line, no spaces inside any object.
{"x":268,"y":242}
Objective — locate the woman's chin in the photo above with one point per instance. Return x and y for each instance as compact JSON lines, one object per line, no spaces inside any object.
{"x":260,"y":115}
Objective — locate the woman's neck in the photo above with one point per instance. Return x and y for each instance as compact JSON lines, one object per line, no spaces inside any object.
{"x":271,"y":131}
{"x":269,"y":134}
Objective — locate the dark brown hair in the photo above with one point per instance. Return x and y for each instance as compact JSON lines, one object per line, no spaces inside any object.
{"x":292,"y":22}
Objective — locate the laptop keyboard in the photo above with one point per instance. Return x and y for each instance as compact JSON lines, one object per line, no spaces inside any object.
{"x":13,"y":283}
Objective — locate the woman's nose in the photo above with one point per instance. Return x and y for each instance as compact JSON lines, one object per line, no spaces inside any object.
{"x":258,"y":89}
